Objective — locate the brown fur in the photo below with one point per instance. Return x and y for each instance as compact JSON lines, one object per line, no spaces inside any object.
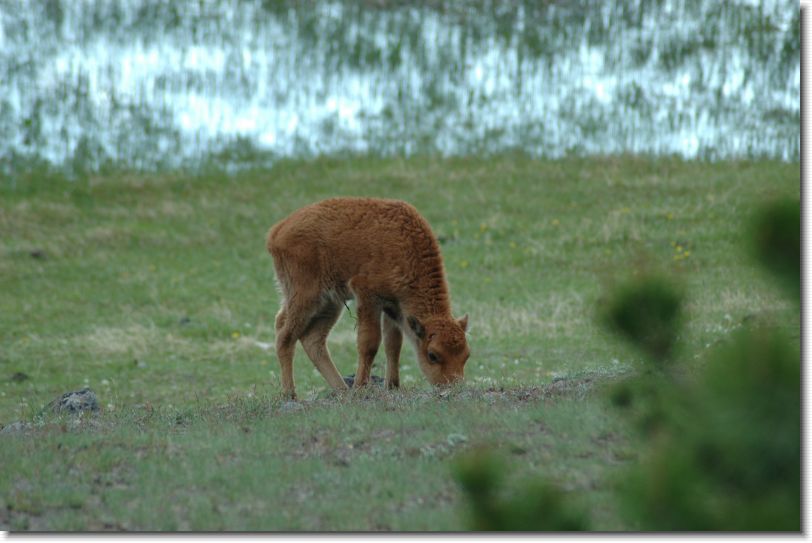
{"x":383,"y":254}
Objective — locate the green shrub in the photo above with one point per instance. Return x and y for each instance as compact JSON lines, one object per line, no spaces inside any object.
{"x":726,"y":452}
{"x":646,"y":312}
{"x":722,"y":448}
{"x":538,"y":506}
{"x":728,"y":455}
{"x":776,"y":232}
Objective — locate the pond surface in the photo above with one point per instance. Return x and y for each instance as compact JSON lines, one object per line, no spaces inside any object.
{"x":141,"y":84}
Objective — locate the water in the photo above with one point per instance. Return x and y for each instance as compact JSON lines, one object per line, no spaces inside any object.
{"x":91,"y":84}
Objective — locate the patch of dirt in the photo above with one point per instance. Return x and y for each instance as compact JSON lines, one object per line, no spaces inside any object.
{"x":578,"y":386}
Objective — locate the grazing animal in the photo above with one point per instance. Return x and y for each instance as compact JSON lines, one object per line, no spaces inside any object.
{"x":383,"y":254}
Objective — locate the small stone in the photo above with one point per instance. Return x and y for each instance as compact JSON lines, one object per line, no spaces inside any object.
{"x":38,"y":254}
{"x":15,"y":428}
{"x":19,"y":377}
{"x":290,"y":406}
{"x":75,"y":402}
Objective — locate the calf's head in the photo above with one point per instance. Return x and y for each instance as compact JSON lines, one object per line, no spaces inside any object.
{"x":442,"y":349}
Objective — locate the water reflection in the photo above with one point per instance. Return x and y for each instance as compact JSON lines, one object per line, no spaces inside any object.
{"x":151,"y":85}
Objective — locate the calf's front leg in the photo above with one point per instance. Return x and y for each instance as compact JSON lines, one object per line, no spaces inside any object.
{"x":369,"y":329}
{"x":369,"y":339}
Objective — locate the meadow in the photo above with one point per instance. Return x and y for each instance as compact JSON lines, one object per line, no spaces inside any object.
{"x":155,"y":290}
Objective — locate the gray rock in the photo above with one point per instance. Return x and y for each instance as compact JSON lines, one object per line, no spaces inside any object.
{"x":75,"y":402}
{"x":19,"y":377}
{"x":18,"y":427}
{"x":290,"y":406}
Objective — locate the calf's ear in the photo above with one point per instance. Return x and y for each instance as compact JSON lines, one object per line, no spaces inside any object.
{"x":463,"y":322}
{"x":416,"y":327}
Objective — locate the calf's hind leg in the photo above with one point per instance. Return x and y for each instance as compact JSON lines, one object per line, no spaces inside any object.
{"x":285,"y":357}
{"x":392,"y":342}
{"x":291,"y":323}
{"x":314,"y":342}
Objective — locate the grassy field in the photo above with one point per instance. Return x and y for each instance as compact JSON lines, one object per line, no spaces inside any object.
{"x":156,"y":291}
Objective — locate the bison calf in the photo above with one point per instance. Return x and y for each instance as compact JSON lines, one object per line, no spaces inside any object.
{"x":383,"y":254}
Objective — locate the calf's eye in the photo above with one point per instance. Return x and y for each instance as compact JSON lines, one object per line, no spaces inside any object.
{"x":433,"y":358}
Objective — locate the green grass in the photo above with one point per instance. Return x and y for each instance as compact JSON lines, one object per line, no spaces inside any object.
{"x":349,"y":464}
{"x":157,"y":292}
